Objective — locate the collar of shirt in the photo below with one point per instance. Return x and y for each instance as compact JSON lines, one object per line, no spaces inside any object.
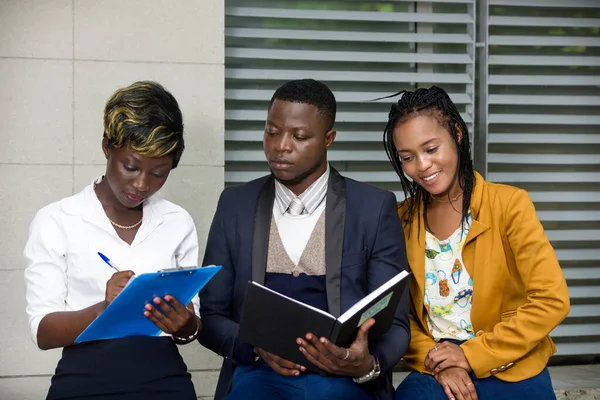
{"x":311,"y":198}
{"x":87,"y":205}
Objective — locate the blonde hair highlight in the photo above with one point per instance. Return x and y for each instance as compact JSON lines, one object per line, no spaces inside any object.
{"x":145,"y":118}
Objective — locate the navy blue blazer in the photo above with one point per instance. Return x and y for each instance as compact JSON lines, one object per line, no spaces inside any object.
{"x":365,"y":247}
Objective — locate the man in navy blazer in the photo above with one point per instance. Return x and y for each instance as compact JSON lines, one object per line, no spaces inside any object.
{"x":271,"y":231}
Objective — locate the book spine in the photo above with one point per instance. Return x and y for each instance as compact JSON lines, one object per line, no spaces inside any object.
{"x":335,"y":332}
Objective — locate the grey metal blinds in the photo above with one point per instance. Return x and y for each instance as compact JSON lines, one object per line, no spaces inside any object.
{"x":543,"y":116}
{"x":537,"y":90}
{"x":361,"y":49}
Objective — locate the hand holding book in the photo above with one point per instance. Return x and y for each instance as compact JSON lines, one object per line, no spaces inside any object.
{"x":274,"y":323}
{"x":279,"y":365}
{"x":353,"y":361}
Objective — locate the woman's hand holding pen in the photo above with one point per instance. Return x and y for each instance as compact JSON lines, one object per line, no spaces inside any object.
{"x":115,"y":285}
{"x":173,"y":317}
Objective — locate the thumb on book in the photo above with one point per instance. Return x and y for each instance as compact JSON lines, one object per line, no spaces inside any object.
{"x":364,"y":329}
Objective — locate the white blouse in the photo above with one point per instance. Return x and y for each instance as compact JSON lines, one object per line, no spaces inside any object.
{"x":64,"y":271}
{"x":448,"y":286}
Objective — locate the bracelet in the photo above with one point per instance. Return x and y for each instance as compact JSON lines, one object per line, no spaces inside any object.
{"x":371,"y":375}
{"x":193,"y":335}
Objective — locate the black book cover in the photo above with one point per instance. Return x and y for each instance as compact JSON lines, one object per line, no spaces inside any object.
{"x":272,"y":321}
{"x":380,"y":304}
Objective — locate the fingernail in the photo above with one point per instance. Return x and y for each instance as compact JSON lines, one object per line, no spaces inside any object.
{"x":146,"y":313}
{"x":148,"y":307}
{"x":298,"y":341}
{"x":157,"y":300}
{"x":322,"y":340}
{"x":309,"y":336}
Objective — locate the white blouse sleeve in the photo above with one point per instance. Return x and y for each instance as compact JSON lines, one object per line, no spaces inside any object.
{"x":187,"y":253}
{"x":45,"y":274}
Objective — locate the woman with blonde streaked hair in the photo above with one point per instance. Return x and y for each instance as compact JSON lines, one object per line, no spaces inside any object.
{"x":69,"y":285}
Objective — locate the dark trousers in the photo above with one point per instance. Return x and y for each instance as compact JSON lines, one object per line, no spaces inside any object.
{"x":262,"y":383}
{"x":418,"y":386}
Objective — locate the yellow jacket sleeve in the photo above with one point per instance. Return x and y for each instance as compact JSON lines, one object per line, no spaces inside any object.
{"x":420,"y":344}
{"x":547,"y":296}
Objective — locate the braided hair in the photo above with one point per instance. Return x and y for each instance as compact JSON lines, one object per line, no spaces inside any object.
{"x":436,"y":103}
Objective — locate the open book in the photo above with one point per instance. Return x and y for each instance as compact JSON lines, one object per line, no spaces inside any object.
{"x":272,"y":321}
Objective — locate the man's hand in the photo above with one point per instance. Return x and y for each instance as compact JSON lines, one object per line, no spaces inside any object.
{"x":457,"y":384}
{"x":278,"y":364}
{"x":354,"y":361}
{"x":115,"y":285}
{"x":445,"y":355}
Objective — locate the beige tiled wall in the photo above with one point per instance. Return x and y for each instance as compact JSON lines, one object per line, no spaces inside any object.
{"x":60,"y":60}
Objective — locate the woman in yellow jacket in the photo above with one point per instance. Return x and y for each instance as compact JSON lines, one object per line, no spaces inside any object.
{"x":487,"y":288}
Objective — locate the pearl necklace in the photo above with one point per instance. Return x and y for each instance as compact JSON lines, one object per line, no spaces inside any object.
{"x":113,"y":222}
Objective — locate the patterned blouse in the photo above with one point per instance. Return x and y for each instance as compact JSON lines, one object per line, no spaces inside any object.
{"x":448,"y":286}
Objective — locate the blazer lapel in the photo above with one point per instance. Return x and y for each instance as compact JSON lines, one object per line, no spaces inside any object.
{"x":262,"y":225}
{"x":335,"y":219}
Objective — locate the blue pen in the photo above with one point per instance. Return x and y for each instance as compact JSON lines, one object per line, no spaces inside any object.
{"x":107,"y":260}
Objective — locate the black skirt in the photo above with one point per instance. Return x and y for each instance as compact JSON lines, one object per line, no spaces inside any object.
{"x":148,"y":368}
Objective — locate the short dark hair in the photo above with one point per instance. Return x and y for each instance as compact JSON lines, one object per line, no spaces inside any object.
{"x":309,"y":91}
{"x":145,"y":118}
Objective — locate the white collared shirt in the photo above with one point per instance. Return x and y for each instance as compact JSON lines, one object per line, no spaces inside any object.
{"x":64,"y":271}
{"x":295,"y":230}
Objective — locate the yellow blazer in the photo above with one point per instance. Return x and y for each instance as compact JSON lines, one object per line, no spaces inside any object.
{"x":519,"y":291}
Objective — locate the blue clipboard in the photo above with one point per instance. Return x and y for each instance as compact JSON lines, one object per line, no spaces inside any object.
{"x":124,"y":317}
